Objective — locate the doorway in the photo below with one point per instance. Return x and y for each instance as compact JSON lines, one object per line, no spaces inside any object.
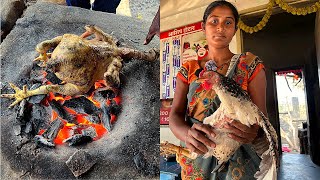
{"x":292,"y":110}
{"x":286,"y":45}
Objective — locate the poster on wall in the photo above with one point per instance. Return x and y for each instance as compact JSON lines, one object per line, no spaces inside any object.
{"x":177,"y":46}
{"x":165,"y":111}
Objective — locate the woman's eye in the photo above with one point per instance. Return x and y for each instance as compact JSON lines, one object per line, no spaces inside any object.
{"x":228,"y":22}
{"x":215,"y":21}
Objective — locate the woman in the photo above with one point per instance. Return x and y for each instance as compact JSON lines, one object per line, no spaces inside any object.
{"x":192,"y":103}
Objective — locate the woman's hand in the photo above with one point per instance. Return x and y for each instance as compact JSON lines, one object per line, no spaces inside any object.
{"x":241,"y":132}
{"x":197,"y":138}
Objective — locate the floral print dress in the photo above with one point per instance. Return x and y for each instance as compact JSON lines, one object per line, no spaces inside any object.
{"x":202,"y":103}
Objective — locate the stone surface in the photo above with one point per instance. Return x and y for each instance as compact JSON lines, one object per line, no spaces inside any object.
{"x":11,"y":10}
{"x":80,"y":162}
{"x":135,"y":131}
{"x":145,"y":10}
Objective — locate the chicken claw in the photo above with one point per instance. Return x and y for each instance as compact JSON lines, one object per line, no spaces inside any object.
{"x":19,"y":94}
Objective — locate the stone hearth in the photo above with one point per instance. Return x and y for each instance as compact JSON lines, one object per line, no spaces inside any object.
{"x":131,"y":150}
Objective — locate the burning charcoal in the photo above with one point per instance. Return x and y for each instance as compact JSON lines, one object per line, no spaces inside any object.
{"x":21,"y":111}
{"x":37,"y":74}
{"x":84,"y":106}
{"x":107,"y":94}
{"x":81,"y":105}
{"x":53,"y":129}
{"x":80,"y":162}
{"x":40,"y":117}
{"x":114,"y":108}
{"x":51,"y":77}
{"x":106,"y":118}
{"x":37,"y":98}
{"x":56,"y":106}
{"x":93,"y":118}
{"x":78,"y":139}
{"x":50,"y":134}
{"x":40,"y":140}
{"x":90,"y":131}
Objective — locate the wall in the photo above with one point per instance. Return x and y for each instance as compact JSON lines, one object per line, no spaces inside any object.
{"x":286,"y":42}
{"x":181,"y":12}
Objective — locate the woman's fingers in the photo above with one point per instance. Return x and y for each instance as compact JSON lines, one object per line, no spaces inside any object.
{"x":207,"y":129}
{"x":241,"y":132}
{"x":197,"y":138}
{"x":238,"y":138}
{"x":252,"y":129}
{"x":195,"y":146}
{"x":205,"y":134}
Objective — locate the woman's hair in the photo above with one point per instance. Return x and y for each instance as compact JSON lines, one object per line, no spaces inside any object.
{"x":219,"y":3}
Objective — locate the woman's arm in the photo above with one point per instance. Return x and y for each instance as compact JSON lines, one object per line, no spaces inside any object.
{"x":195,"y":136}
{"x":177,"y":122}
{"x":257,"y":91}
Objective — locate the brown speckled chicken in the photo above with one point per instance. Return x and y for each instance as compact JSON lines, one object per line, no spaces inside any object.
{"x":80,"y":62}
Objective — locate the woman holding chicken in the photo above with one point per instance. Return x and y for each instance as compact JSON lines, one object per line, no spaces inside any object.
{"x":192,"y":102}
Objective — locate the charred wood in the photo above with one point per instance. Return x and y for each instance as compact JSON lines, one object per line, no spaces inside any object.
{"x":41,"y":141}
{"x":53,"y":129}
{"x":40,"y":117}
{"x":114,"y":108}
{"x":50,"y":134}
{"x":37,"y":74}
{"x":51,"y":77}
{"x":106,"y":117}
{"x":21,"y":111}
{"x":84,"y":106}
{"x":78,"y":139}
{"x":56,"y":106}
{"x":20,"y":117}
{"x":90,"y":131}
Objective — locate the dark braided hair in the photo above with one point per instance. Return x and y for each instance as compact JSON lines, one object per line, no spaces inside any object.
{"x":219,"y":3}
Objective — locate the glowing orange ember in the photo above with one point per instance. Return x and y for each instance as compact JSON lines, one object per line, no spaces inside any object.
{"x":63,"y":134}
{"x":113,"y":118}
{"x":70,"y":129}
{"x":54,"y":115}
{"x":95,"y":102}
{"x":58,"y":97}
{"x":41,"y":131}
{"x":79,"y":117}
{"x":117,"y":99}
{"x":44,"y":73}
{"x":100,"y":84}
{"x":99,"y":129}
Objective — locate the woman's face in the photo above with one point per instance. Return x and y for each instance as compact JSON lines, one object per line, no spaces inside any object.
{"x":220,"y":27}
